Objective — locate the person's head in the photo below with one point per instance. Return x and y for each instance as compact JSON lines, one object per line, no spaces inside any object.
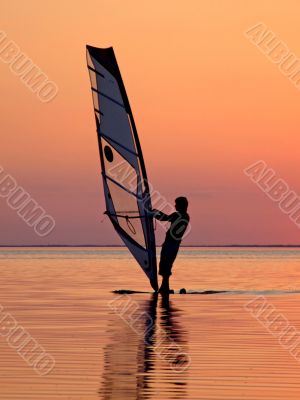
{"x":181,"y":204}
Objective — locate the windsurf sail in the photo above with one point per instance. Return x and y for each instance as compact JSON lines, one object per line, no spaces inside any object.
{"x":126,"y":188}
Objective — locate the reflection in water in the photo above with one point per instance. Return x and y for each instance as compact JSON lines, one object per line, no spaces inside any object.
{"x":146,"y":358}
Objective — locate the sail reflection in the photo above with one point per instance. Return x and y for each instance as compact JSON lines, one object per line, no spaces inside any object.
{"x":147,"y":356}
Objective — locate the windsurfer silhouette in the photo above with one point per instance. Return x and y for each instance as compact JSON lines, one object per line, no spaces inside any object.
{"x":179,"y":223}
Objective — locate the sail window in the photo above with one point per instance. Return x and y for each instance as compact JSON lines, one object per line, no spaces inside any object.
{"x":108,"y":154}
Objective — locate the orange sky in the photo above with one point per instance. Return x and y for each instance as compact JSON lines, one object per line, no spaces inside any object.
{"x":206,"y":101}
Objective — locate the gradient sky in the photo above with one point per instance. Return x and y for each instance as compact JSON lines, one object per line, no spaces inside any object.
{"x":206,"y":101}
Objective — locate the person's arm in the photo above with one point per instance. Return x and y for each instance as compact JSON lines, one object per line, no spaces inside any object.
{"x":162,"y":216}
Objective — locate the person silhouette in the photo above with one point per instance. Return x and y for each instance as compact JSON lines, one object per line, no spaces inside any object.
{"x":179,"y":223}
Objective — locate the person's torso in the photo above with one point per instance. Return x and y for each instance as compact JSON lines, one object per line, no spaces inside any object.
{"x":179,"y":224}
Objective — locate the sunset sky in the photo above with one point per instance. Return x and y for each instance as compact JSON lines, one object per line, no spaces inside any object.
{"x":207,"y":103}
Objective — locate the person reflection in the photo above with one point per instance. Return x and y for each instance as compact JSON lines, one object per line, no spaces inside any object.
{"x":147,"y":355}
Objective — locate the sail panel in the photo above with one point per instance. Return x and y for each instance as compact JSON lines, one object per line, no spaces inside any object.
{"x":119,"y":168}
{"x":89,"y":59}
{"x":97,"y":114}
{"x":93,"y":78}
{"x":127,"y":213}
{"x":142,"y":257}
{"x":108,"y":83}
{"x":115,"y":121}
{"x":128,"y":155}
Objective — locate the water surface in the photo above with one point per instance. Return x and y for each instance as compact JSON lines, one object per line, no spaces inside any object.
{"x":108,"y":346}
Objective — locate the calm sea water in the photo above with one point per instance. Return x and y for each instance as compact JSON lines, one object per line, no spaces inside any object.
{"x":110,"y":346}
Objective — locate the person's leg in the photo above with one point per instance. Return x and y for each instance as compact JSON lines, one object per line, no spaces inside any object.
{"x":163,"y":268}
{"x":165,"y":288}
{"x":167,"y":258}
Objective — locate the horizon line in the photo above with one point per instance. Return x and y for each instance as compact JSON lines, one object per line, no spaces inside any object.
{"x":116,"y":245}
